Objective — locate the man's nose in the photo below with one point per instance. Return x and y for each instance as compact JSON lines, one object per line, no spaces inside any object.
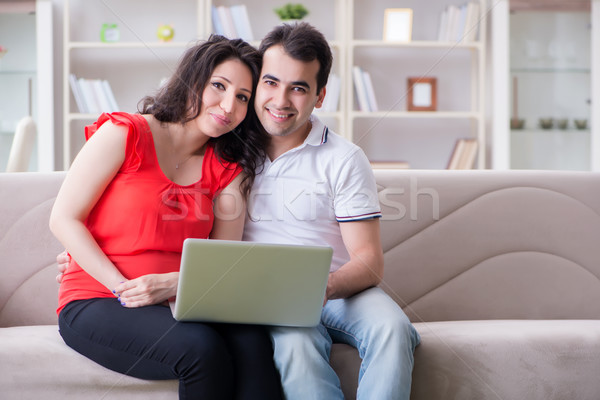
{"x":280,"y":98}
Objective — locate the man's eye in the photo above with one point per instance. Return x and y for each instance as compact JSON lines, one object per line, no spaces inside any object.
{"x":299,"y":89}
{"x":270,"y":83}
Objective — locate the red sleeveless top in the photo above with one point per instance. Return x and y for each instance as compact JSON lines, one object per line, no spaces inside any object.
{"x":142,"y":218}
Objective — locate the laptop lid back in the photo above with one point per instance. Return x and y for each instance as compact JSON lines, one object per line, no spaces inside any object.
{"x":252,"y":283}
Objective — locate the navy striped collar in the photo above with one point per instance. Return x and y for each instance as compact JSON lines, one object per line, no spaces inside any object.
{"x":319,"y":132}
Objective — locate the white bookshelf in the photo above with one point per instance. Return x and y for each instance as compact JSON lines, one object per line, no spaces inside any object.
{"x":393,"y":59}
{"x":133,"y":65}
{"x":354,"y":31}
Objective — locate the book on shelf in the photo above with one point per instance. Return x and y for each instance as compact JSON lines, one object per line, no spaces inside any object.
{"x":471,"y":30}
{"x":370,"y":91}
{"x":332,"y":94}
{"x":459,"y":23}
{"x":110,"y":95}
{"x":464,"y":154}
{"x":232,"y":22}
{"x":77,"y":94}
{"x":92,"y":96}
{"x":242,"y":22}
{"x":390,"y":165}
{"x":364,"y":90}
{"x":216,"y":21}
{"x":100,"y":96}
{"x":91,"y":104}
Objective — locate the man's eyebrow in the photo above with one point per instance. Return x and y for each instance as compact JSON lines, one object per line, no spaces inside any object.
{"x":270,"y":77}
{"x":295,"y":83}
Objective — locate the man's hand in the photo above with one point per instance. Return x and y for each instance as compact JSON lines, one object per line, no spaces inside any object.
{"x":62,"y":260}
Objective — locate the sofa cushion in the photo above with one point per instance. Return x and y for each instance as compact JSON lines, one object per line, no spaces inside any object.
{"x":496,"y":359}
{"x":28,"y":249}
{"x":37,"y":364}
{"x":507,"y":359}
{"x":466,"y":245}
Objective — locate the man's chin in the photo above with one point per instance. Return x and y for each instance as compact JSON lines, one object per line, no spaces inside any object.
{"x":276,"y":130}
{"x":279,"y":133}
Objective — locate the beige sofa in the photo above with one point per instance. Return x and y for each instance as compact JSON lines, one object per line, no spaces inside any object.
{"x":499,"y":271}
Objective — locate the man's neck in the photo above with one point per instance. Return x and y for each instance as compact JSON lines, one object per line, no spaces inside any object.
{"x":283,"y":144}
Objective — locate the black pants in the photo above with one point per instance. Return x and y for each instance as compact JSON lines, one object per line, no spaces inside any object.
{"x":211,"y":361}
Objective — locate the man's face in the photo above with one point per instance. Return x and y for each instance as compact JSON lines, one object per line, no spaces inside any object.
{"x":287,"y":93}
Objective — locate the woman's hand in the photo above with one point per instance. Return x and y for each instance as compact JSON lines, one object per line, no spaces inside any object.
{"x":147,"y":290}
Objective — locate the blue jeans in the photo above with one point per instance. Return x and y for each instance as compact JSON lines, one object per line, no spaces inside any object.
{"x":371,"y":322}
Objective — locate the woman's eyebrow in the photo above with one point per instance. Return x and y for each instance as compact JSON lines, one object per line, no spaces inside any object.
{"x":228,"y":81}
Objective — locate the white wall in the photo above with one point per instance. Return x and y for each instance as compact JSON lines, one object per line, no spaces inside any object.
{"x":18,"y":35}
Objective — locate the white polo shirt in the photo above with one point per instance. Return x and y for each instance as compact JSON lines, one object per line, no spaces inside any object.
{"x":304,"y":194}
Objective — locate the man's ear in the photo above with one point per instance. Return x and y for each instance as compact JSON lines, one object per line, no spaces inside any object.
{"x":320,"y":98}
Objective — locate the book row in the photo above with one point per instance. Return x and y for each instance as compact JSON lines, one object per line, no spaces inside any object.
{"x":459,"y":23}
{"x":93,"y":96}
{"x":464,"y":154}
{"x":364,"y":90}
{"x":232,"y":22}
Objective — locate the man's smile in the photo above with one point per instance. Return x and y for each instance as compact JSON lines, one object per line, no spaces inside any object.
{"x":279,"y":115}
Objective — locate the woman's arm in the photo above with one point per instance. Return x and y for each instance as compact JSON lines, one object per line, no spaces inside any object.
{"x":93,"y":169}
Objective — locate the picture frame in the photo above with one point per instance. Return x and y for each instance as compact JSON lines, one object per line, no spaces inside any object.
{"x":397,"y":24}
{"x":422,"y":94}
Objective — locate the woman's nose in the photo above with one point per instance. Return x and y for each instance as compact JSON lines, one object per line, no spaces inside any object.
{"x":228,"y":103}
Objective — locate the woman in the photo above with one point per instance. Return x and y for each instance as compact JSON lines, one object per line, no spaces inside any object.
{"x":140,"y":186}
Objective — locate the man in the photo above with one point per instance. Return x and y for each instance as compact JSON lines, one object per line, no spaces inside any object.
{"x":318,"y":188}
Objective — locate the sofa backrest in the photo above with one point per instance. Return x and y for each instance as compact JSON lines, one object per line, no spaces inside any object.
{"x":28,"y":290}
{"x":458,"y":245}
{"x":463,"y":245}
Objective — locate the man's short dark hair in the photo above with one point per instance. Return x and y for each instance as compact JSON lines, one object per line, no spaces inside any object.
{"x":302,"y":42}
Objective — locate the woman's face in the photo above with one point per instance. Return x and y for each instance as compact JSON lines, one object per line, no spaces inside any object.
{"x":225,"y":98}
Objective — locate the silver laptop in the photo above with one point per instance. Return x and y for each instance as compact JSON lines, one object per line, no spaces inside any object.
{"x":251,"y":283}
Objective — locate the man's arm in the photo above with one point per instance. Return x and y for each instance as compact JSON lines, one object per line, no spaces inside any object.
{"x":62,"y":262}
{"x":365,"y":268}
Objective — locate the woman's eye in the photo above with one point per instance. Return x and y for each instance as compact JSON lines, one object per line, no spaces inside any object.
{"x":243,"y":98}
{"x":218,"y":85}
